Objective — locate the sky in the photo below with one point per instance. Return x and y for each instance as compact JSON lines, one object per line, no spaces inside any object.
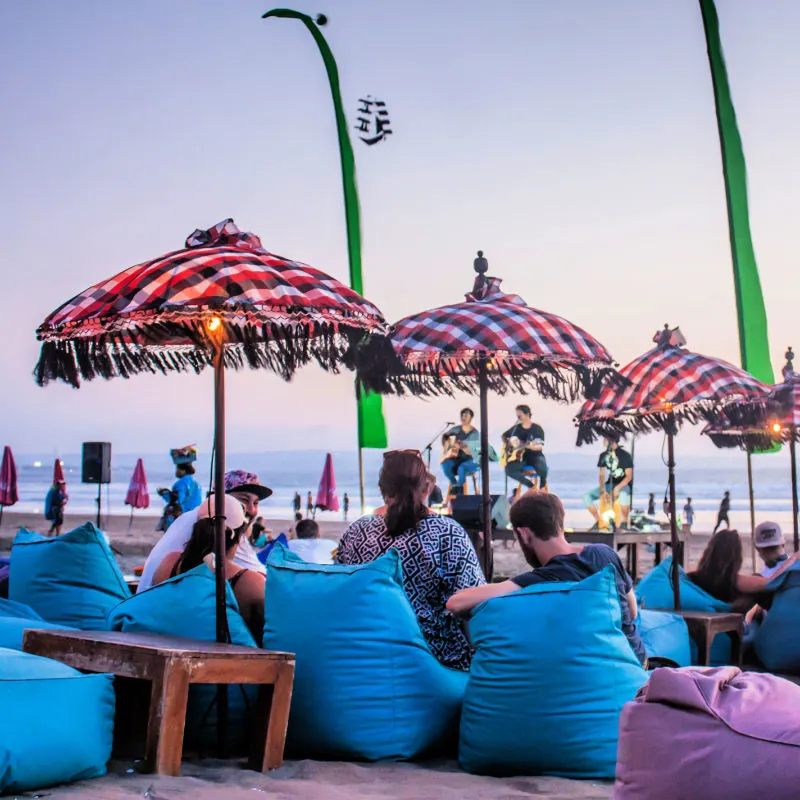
{"x":574,"y":142}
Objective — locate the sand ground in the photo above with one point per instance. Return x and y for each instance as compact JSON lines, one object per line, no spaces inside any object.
{"x":315,"y":780}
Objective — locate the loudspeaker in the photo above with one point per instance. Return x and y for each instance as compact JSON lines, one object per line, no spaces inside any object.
{"x":466,"y":511}
{"x":96,"y":464}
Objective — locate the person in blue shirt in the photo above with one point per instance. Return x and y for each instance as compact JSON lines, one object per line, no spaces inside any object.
{"x":186,"y":488}
{"x":538,"y":521}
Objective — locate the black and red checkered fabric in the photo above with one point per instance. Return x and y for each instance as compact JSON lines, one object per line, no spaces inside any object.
{"x":672,"y":383}
{"x":521,"y":347}
{"x":274,"y":313}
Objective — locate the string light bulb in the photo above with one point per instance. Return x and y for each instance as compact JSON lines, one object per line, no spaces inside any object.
{"x":214,"y":323}
{"x":776,"y":427}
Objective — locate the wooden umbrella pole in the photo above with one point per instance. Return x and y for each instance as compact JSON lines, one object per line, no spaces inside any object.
{"x":751,"y":497}
{"x":486,"y":503}
{"x":673,"y":517}
{"x":793,"y":460}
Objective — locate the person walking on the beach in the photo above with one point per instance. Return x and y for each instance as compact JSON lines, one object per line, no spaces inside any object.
{"x":651,"y":505}
{"x":688,"y":515}
{"x":297,"y":503}
{"x":54,"y":503}
{"x":309,"y":505}
{"x":722,"y":514}
{"x":346,"y":505}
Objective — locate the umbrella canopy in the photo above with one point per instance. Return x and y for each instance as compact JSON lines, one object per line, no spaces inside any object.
{"x":221,"y":301}
{"x":58,"y":472}
{"x":8,"y":480}
{"x":327,"y":499}
{"x":138,"y":495}
{"x":667,"y":386}
{"x":670,"y":385}
{"x":492,"y":341}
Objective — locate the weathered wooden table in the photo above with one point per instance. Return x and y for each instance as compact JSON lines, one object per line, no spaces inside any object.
{"x":171,"y":664}
{"x":705,"y":625}
{"x":631,"y":541}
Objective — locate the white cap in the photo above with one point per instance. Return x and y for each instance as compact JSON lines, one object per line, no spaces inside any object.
{"x":234,"y":513}
{"x":768,"y":534}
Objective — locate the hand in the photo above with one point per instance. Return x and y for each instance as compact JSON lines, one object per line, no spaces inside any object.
{"x":615,"y":494}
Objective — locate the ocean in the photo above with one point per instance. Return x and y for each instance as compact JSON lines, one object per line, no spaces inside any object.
{"x":571,"y":474}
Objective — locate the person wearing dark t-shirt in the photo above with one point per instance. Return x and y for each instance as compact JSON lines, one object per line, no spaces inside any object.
{"x":615,"y":474}
{"x":538,"y":521}
{"x":461,"y":450}
{"x":529,"y":437}
{"x":722,"y":514}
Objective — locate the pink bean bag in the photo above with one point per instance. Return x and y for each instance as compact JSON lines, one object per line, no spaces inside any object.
{"x":710,"y":734}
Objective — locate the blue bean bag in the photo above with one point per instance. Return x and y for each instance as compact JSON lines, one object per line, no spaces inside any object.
{"x":551,"y":673}
{"x":56,"y":725}
{"x":13,"y":627}
{"x":367,"y":687}
{"x":665,"y":635}
{"x":655,"y":591}
{"x":71,"y":580}
{"x":186,"y":606}
{"x":777,"y":641}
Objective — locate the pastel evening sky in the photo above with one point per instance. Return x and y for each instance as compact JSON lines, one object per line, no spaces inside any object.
{"x":574,"y":142}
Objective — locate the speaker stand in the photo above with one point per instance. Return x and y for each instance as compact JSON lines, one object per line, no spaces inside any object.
{"x":99,"y":492}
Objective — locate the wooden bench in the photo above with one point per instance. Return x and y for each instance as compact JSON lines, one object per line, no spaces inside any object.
{"x":705,"y":625}
{"x":171,"y":664}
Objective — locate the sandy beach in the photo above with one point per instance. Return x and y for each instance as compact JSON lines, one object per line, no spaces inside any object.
{"x":315,"y":780}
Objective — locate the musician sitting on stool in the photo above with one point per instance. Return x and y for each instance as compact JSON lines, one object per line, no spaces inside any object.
{"x":461,"y":450}
{"x":523,"y":445}
{"x":616,"y":473}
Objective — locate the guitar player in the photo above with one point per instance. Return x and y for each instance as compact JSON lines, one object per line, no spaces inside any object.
{"x":523,"y":445}
{"x":615,"y":473}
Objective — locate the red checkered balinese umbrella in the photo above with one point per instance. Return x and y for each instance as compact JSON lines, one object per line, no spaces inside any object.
{"x":667,"y":386}
{"x":494,"y":341}
{"x":221,"y":301}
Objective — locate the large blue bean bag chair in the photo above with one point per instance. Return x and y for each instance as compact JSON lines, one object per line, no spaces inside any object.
{"x":655,"y":591}
{"x":56,"y":725}
{"x":367,"y":687}
{"x":186,"y":606}
{"x":71,"y":580}
{"x":665,"y":635}
{"x":777,"y":640}
{"x":15,"y":619}
{"x":551,"y":672}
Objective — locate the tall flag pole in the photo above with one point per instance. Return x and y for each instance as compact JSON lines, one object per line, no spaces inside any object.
{"x":750,"y":309}
{"x":371,"y":423}
{"x":751,"y":313}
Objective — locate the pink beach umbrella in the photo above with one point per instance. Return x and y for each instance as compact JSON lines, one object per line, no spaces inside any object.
{"x":8,"y":481}
{"x":327,"y":499}
{"x":138,"y":495}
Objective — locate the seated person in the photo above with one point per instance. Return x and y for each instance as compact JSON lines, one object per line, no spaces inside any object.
{"x":461,"y":450}
{"x":718,"y":573}
{"x":771,"y":547}
{"x":436,"y":553}
{"x":309,"y":546}
{"x":527,"y":439}
{"x":614,"y":478}
{"x":538,"y":521}
{"x":247,"y":585}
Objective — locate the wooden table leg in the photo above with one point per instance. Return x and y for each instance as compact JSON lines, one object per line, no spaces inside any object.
{"x":658,"y":553}
{"x":703,"y":638}
{"x":736,"y":648}
{"x":278,"y":717}
{"x":168,"y":700}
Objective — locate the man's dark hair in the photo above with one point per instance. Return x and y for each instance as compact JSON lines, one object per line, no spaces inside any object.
{"x":541,"y":512}
{"x":524,"y":409}
{"x":307,"y":529}
{"x":467,"y":411}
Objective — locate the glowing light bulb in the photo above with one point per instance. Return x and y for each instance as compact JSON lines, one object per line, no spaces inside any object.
{"x":776,"y":427}
{"x":214,"y":323}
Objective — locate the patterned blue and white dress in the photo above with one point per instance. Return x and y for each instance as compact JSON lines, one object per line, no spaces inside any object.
{"x":438,"y":560}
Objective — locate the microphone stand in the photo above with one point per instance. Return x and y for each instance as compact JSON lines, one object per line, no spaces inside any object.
{"x":428,"y":447}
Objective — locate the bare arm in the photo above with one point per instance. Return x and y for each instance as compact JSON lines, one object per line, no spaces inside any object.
{"x":467,"y":599}
{"x":753,"y":584}
{"x":601,"y":479}
{"x":631,"y":597}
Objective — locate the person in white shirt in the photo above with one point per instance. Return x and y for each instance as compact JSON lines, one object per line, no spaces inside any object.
{"x":242,"y":485}
{"x":309,"y":546}
{"x":771,"y":547}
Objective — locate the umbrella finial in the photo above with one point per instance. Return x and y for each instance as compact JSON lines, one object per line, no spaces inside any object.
{"x":669,"y":337}
{"x":480,"y":264}
{"x":788,"y":369}
{"x":481,"y":267}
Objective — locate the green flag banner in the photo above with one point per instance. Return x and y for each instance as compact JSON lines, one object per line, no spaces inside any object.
{"x":752,"y":316}
{"x":371,"y":424}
